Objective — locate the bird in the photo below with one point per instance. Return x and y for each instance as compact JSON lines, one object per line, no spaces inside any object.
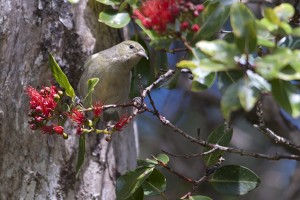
{"x":113,"y":68}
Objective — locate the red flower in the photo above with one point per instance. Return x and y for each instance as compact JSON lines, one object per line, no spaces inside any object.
{"x":76,"y":116}
{"x":156,"y":14}
{"x":58,"y":130}
{"x":195,"y":27}
{"x":121,"y":123}
{"x":42,"y":102}
{"x":97,"y":108}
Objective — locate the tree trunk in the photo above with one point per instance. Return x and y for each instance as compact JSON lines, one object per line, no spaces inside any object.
{"x":37,"y":166}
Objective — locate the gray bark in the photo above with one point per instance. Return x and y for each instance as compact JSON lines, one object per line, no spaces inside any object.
{"x":37,"y":166}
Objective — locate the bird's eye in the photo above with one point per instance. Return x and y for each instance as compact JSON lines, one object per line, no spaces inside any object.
{"x":131,"y":46}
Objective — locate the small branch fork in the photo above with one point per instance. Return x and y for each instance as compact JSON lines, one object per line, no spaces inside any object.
{"x":141,"y":107}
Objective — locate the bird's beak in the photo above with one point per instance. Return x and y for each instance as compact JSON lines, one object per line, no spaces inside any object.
{"x":142,"y":53}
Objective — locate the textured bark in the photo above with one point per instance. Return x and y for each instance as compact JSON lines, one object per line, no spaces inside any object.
{"x":37,"y":166}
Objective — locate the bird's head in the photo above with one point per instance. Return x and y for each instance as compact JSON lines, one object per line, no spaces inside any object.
{"x":131,"y":52}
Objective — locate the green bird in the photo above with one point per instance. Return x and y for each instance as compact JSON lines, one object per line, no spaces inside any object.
{"x":113,"y":68}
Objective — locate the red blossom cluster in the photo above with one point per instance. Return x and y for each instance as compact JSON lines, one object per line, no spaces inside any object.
{"x":157,"y":14}
{"x":187,"y":8}
{"x":44,"y":110}
{"x":42,"y":106}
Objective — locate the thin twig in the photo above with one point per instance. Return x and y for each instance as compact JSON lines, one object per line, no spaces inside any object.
{"x":174,"y":172}
{"x":268,"y":132}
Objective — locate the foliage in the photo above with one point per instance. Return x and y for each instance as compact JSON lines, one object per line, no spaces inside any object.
{"x":255,"y":57}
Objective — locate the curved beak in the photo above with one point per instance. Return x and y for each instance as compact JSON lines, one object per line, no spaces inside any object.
{"x":142,"y":53}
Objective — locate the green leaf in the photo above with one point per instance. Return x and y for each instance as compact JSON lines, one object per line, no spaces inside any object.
{"x":109,"y":2}
{"x":270,"y":15}
{"x":244,"y":29}
{"x":60,"y":77}
{"x":132,"y":2}
{"x":283,"y":64}
{"x":91,"y":85}
{"x":230,"y":101}
{"x":222,"y":136}
{"x":258,"y":82}
{"x":155,"y":183}
{"x":264,"y":37}
{"x":132,"y":181}
{"x":296,"y":32}
{"x":73,"y":1}
{"x":284,"y":11}
{"x":290,"y":42}
{"x":203,"y":77}
{"x":163,"y":158}
{"x":114,"y":18}
{"x":248,"y":95}
{"x":234,"y":180}
{"x":151,"y":34}
{"x":214,"y":17}
{"x":219,"y":51}
{"x":137,"y":195}
{"x":81,"y":154}
{"x":147,"y":163}
{"x":226,"y":78}
{"x":199,"y":197}
{"x":287,"y":95}
{"x":203,"y":82}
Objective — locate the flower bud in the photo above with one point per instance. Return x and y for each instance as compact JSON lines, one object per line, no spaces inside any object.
{"x":58,"y":130}
{"x":65,"y":136}
{"x":184,"y":25}
{"x":60,"y":93}
{"x":195,"y":27}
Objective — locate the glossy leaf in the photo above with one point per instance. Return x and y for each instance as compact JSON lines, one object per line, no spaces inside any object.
{"x":284,"y":11}
{"x":290,"y":42}
{"x":234,"y":180}
{"x":214,"y":17}
{"x":151,"y":34}
{"x":244,"y":29}
{"x":201,"y":83}
{"x":230,"y":101}
{"x":114,"y":18}
{"x":283,"y":64}
{"x":287,"y":95}
{"x":81,"y":153}
{"x":163,"y":158}
{"x":91,"y":85}
{"x":250,"y":89}
{"x":137,"y":195}
{"x":109,"y":2}
{"x":270,"y":14}
{"x":155,"y":183}
{"x":60,"y":77}
{"x":202,"y":78}
{"x":264,"y":37}
{"x":226,"y":78}
{"x":198,"y":197}
{"x":73,"y":1}
{"x":248,"y":95}
{"x":219,"y":51}
{"x":221,"y":136}
{"x":130,"y":182}
{"x":258,"y":82}
{"x":147,"y":163}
